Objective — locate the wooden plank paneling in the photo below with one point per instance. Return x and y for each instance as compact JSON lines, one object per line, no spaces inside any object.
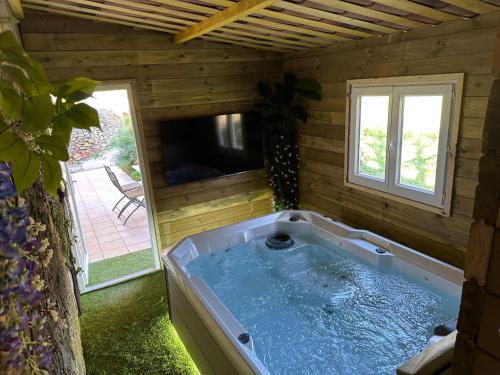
{"x":171,"y":81}
{"x":457,"y":49}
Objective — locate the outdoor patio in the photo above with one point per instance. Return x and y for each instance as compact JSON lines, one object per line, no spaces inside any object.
{"x":105,"y":234}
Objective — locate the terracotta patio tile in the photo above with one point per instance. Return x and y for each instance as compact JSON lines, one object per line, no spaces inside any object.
{"x":139,"y":246}
{"x":102,"y":231}
{"x":94,"y":250}
{"x":108,"y":237}
{"x":87,"y":227}
{"x":111,"y":244}
{"x":124,"y":228}
{"x":103,"y":224}
{"x":89,"y":235}
{"x":135,"y":239}
{"x":91,"y":241}
{"x":95,"y":257}
{"x":115,"y":253}
{"x":99,"y":219}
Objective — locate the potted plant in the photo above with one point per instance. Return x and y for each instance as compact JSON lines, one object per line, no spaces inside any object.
{"x":281,"y":109}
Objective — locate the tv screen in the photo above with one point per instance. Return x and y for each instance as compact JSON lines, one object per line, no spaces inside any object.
{"x":206,"y":147}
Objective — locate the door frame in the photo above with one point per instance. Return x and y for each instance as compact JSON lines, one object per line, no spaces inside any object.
{"x":129,"y":86}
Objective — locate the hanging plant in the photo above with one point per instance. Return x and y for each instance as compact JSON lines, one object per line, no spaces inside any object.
{"x":37,"y":117}
{"x":280,"y":113}
{"x":36,"y":122}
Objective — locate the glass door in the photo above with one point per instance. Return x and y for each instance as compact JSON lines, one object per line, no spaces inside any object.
{"x":110,"y":192}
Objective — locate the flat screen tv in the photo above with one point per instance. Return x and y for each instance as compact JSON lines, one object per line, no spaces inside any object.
{"x":207,"y":147}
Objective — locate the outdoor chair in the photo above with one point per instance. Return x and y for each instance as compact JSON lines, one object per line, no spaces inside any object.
{"x":132,"y":191}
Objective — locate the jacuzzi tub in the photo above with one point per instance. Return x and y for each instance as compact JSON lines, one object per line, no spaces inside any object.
{"x":339,"y":300}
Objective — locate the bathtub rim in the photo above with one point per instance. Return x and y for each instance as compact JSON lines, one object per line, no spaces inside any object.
{"x":211,"y":309}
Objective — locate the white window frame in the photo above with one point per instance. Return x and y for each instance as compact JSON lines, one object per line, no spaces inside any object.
{"x":450,"y":86}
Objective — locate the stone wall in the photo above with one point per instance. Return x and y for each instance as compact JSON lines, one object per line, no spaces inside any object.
{"x":85,"y":144}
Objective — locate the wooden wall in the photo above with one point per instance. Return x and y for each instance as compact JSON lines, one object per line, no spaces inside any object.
{"x":200,"y":78}
{"x":477,"y":348}
{"x":172,"y":81}
{"x":460,"y":46}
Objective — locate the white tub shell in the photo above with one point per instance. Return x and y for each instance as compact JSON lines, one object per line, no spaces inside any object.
{"x":208,"y":328}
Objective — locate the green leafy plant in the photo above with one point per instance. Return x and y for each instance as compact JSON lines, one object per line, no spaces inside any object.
{"x":280,"y":112}
{"x":124,"y":143}
{"x":37,"y":117}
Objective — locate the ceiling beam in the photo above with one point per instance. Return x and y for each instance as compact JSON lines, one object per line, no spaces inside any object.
{"x":473,"y":6}
{"x":298,"y":20}
{"x":17,"y":9}
{"x":232,"y":13}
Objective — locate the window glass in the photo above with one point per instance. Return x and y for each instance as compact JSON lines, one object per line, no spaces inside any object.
{"x":421,"y":122}
{"x":399,"y":136}
{"x":373,"y":119}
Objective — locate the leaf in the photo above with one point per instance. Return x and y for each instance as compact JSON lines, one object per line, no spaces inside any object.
{"x":308,"y":85}
{"x":75,"y":90}
{"x":55,"y":145}
{"x":11,"y":104}
{"x":264,"y":89}
{"x":20,"y":78}
{"x":274,"y":118}
{"x":63,"y":127}
{"x":83,"y":116}
{"x":34,"y":70}
{"x":3,"y":126}
{"x":11,"y":146}
{"x":15,"y":55}
{"x":283,"y":95}
{"x":8,"y":41}
{"x":289,"y":80}
{"x":38,"y":113}
{"x":264,"y":105}
{"x":299,"y":112}
{"x":52,"y":175}
{"x":313,"y":95}
{"x":25,"y":170}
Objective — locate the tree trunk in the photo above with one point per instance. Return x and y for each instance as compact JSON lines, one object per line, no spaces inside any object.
{"x":67,"y":352}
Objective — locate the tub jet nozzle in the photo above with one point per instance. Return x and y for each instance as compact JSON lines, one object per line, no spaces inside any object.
{"x":244,"y":338}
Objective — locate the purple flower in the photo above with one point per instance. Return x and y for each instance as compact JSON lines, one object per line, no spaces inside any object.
{"x":23,"y":307}
{"x":7,"y":188}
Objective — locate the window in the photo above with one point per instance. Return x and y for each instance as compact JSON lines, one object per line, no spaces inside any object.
{"x":230,"y":131}
{"x":401,"y":138}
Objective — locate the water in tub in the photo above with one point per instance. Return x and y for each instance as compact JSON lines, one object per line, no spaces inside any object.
{"x":317,"y":310}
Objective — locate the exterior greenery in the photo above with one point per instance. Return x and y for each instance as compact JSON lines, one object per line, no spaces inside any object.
{"x":418,"y":165}
{"x":280,"y":112}
{"x":124,"y":144}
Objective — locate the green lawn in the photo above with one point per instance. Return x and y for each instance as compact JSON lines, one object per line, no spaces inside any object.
{"x":126,"y":331}
{"x":112,"y":268}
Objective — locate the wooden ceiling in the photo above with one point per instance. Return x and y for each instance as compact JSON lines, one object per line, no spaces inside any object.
{"x":276,"y":25}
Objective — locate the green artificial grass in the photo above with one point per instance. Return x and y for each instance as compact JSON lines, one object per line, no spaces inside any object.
{"x":112,"y":268}
{"x":126,"y":331}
